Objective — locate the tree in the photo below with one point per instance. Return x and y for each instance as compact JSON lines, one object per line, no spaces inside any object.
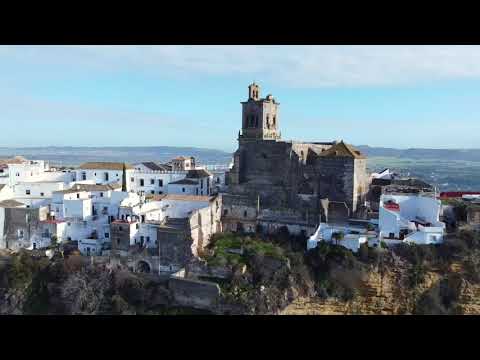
{"x":124,"y":178}
{"x":338,"y":236}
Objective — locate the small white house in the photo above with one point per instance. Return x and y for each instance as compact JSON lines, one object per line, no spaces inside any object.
{"x":410,"y":218}
{"x":353,"y":236}
{"x":184,"y":186}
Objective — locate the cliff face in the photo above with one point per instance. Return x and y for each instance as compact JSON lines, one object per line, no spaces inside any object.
{"x":264,"y":279}
{"x":440,"y":292}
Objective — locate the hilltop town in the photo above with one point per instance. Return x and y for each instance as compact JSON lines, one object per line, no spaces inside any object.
{"x":189,"y":226}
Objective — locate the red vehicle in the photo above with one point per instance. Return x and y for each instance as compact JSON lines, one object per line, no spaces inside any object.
{"x":392,"y":206}
{"x":456,"y":194}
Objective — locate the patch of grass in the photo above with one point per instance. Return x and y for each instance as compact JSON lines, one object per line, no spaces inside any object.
{"x":222,"y":243}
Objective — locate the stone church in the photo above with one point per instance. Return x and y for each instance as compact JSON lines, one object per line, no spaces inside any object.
{"x":320,"y":180}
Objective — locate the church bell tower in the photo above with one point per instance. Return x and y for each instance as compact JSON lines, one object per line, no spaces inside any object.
{"x":259,"y":116}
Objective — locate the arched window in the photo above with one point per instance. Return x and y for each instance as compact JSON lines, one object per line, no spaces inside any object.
{"x":274,"y":120}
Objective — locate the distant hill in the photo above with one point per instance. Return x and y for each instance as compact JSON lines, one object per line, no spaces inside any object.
{"x":415,"y":153}
{"x":75,"y":155}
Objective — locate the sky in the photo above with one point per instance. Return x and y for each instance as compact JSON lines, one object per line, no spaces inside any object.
{"x":391,"y":96}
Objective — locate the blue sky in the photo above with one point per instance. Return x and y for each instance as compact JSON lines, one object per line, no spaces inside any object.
{"x":394,"y":96}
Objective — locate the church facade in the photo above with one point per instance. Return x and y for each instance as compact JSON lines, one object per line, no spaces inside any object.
{"x":318,"y":180}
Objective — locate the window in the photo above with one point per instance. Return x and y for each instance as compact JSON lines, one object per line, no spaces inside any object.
{"x":107,"y":235}
{"x":160,"y":192}
{"x":196,"y":191}
{"x":132,"y":179}
{"x":201,"y":184}
{"x":105,"y":176}
{"x":17,"y":174}
{"x":120,"y":228}
{"x":183,"y":189}
{"x":27,"y":192}
{"x":118,"y":241}
{"x":148,"y":239}
{"x":143,"y":218}
{"x":152,"y":192}
{"x":225,"y":212}
{"x":101,"y":194}
{"x":245,"y":213}
{"x":42,"y":194}
{"x":142,"y":182}
{"x":84,"y":175}
{"x":152,"y":181}
{"x":160,"y":182}
{"x":141,"y":240}
{"x":78,"y":196}
{"x":136,"y":226}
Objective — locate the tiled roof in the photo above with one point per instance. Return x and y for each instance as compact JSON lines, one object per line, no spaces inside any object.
{"x":90,"y":187}
{"x":15,"y":160}
{"x":184,"y":182}
{"x":198,"y":173}
{"x":104,"y":166}
{"x":156,"y":167}
{"x":342,"y":150}
{"x":179,"y":197}
{"x":10,"y":203}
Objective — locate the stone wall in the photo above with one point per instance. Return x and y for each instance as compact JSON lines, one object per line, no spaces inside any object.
{"x":194,"y":293}
{"x":237,"y":210}
{"x":120,"y":236}
{"x":204,"y":223}
{"x":21,"y":221}
{"x":175,"y":243}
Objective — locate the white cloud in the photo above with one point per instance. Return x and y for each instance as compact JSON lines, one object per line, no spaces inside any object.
{"x":295,"y":66}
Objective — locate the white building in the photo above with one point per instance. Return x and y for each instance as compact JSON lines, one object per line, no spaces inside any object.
{"x":87,"y":210}
{"x":196,"y":182}
{"x":385,"y":174}
{"x":183,"y":163}
{"x":353,"y":236}
{"x":410,"y":218}
{"x":181,"y":206}
{"x":6,"y":192}
{"x":102,"y":173}
{"x":154,"y":182}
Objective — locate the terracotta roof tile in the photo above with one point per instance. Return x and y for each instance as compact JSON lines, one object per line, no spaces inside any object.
{"x":342,"y":149}
{"x":104,"y":165}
